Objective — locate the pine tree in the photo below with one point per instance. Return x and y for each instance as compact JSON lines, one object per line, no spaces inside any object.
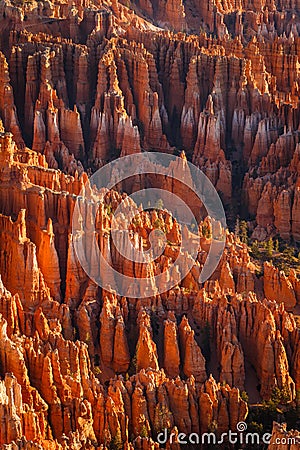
{"x":255,"y":249}
{"x":243,"y":232}
{"x":159,"y":204}
{"x":270,"y":248}
{"x":237,"y":227}
{"x":116,"y":442}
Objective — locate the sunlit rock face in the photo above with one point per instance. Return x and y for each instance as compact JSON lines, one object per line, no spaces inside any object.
{"x":82,"y":83}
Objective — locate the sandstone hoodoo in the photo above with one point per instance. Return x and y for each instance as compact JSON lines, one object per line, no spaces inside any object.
{"x":83,"y":83}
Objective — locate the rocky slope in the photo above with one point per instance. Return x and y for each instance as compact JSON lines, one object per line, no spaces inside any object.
{"x":85,"y":83}
{"x":87,"y":365}
{"x":81,"y":84}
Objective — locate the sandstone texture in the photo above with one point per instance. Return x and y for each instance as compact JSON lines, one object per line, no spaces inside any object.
{"x":82,"y":83}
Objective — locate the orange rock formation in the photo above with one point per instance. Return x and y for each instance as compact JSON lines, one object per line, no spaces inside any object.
{"x":82,"y":83}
